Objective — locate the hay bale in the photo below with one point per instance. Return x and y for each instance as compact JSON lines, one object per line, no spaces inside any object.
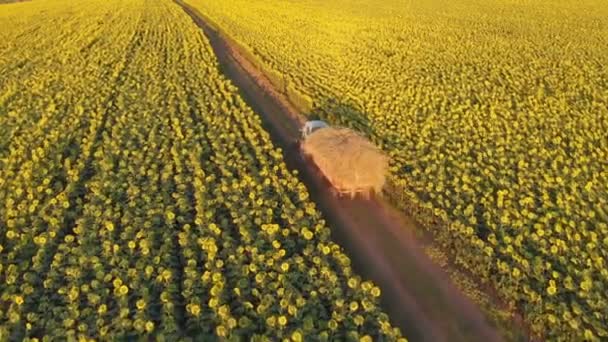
{"x":350,"y":161}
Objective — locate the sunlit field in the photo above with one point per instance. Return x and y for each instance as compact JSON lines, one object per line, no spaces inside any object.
{"x":495,"y":116}
{"x":140,"y":196}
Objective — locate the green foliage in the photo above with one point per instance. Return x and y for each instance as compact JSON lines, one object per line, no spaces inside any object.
{"x":141,"y":197}
{"x":494,"y":114}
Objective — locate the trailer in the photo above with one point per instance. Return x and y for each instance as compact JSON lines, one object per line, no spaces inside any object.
{"x":349,"y":162}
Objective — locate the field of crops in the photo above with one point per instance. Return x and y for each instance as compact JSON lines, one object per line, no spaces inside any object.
{"x":495,"y":114}
{"x":139,"y":195}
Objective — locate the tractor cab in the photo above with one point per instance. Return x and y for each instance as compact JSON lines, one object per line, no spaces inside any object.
{"x":312,"y":126}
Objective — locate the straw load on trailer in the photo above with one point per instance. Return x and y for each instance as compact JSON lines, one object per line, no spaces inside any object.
{"x":350,"y":162}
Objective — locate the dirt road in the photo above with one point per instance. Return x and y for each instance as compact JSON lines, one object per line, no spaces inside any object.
{"x":416,"y":293}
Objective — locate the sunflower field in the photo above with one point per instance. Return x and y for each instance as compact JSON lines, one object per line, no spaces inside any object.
{"x":495,"y":114}
{"x":140,"y":196}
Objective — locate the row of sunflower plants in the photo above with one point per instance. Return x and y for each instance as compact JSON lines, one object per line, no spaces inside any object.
{"x":186,"y":222}
{"x":494,"y":115}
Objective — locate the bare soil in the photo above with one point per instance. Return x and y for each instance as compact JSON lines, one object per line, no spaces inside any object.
{"x":418,"y":294}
